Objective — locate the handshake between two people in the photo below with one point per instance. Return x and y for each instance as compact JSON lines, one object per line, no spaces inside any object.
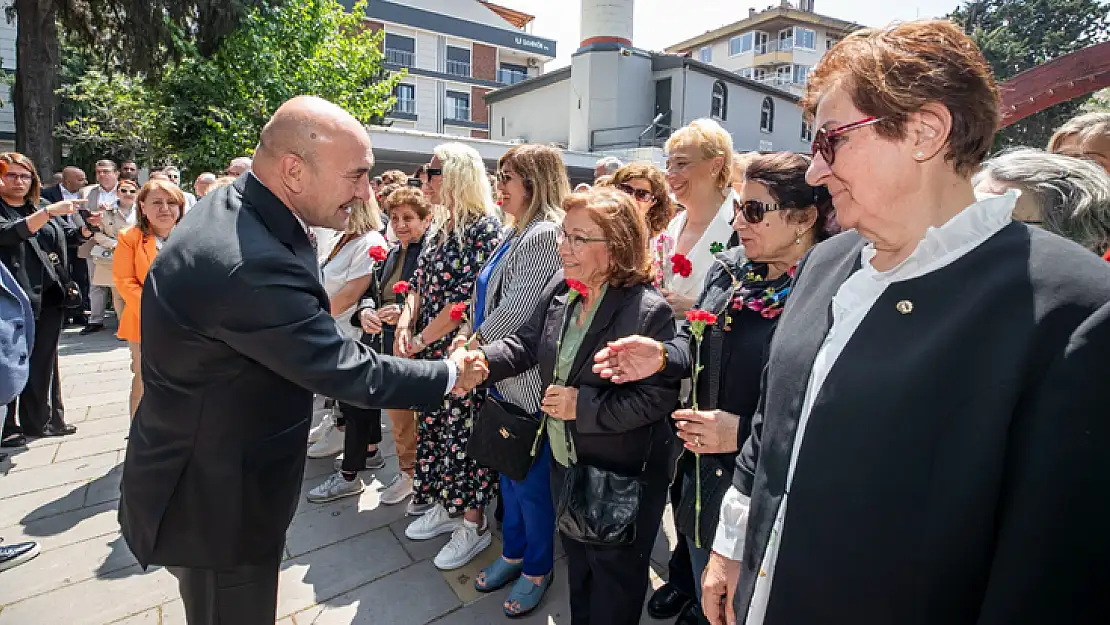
{"x":471,"y":362}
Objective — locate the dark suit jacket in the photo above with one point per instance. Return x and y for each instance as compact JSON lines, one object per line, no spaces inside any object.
{"x":953,"y":469}
{"x":615,"y":424}
{"x":17,"y":335}
{"x":236,"y":338}
{"x":35,"y":272}
{"x":52,"y":194}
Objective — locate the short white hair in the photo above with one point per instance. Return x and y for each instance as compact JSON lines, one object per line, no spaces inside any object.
{"x":610,"y":164}
{"x":1073,"y":194}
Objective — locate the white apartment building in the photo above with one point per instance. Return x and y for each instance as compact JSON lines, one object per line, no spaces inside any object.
{"x":455,"y":52}
{"x":7,"y":112}
{"x":778,"y":46}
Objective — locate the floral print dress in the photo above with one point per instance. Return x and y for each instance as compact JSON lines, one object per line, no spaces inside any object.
{"x":445,"y":275}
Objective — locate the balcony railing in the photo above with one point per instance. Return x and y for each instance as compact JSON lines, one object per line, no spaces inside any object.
{"x":458,"y":112}
{"x":781,"y":82}
{"x":405,"y":105}
{"x":510,"y":77}
{"x":400,"y":57}
{"x":775,"y":45}
{"x":458,"y":68}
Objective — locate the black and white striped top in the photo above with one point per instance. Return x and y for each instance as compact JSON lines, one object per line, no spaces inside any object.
{"x":512,"y":295}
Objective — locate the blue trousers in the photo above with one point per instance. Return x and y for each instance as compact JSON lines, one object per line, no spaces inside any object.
{"x":699,"y":559}
{"x":528,"y":529}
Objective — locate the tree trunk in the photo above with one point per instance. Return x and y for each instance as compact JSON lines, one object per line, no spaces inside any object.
{"x":35,"y":82}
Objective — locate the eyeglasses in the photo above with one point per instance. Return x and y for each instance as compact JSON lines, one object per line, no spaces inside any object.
{"x":825,"y":141}
{"x":753,"y":210}
{"x":14,"y":177}
{"x":122,"y":191}
{"x":576,"y":241}
{"x":432,"y":172}
{"x":641,"y":195}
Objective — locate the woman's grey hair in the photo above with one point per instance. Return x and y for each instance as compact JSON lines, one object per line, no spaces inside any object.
{"x":1073,"y":194}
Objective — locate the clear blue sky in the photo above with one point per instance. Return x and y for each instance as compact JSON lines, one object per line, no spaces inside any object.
{"x":660,"y":23}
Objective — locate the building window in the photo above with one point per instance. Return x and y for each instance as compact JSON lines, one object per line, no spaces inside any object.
{"x":742,"y":44}
{"x":747,"y":72}
{"x":761,"y":46}
{"x":807,"y":130}
{"x":765,"y":146}
{"x":706,"y":54}
{"x":801,"y":74}
{"x":830,"y":43}
{"x":767,"y":115}
{"x":509,"y":74}
{"x":458,"y":106}
{"x":719,"y":106}
{"x":400,"y":50}
{"x":805,"y":38}
{"x":406,"y":99}
{"x":786,"y":40}
{"x":458,"y":61}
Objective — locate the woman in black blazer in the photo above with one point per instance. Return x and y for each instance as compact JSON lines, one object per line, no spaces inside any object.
{"x":33,"y":245}
{"x":603,"y":246}
{"x":918,"y":456}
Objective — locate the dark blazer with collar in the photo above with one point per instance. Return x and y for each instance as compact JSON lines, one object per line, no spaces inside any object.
{"x":236,"y":339}
{"x":17,"y":335}
{"x":615,"y":424}
{"x":951,"y":470}
{"x":35,"y":272}
{"x":53,"y":193}
{"x":374,"y":298}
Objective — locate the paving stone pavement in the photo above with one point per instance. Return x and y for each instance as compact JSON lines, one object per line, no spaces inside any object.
{"x":347,"y":562}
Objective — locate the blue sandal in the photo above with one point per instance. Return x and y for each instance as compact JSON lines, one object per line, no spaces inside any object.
{"x":497,"y":575}
{"x":526,"y":596}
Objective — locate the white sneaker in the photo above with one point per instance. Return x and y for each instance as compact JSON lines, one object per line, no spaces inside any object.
{"x":434,"y":522}
{"x":329,"y":445}
{"x":327,"y":422}
{"x":335,"y":487}
{"x":397,"y":490}
{"x":466,"y":543}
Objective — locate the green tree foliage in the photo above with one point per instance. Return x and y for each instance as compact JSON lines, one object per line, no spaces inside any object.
{"x":1016,"y":35}
{"x":204,"y":110}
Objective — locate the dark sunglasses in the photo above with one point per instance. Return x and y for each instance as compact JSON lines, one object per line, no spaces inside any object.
{"x":432,"y":172}
{"x":503,"y":177}
{"x":753,"y":210}
{"x":641,"y":195}
{"x":825,"y":141}
{"x":127,"y":191}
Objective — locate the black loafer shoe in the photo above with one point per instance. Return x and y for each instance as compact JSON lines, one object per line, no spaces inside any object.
{"x":65,"y":430}
{"x":14,"y":440}
{"x":92,"y":327}
{"x":667,"y":602}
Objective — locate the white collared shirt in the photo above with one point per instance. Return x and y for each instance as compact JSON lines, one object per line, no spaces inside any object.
{"x":853,"y":301}
{"x":701,"y":254}
{"x":70,"y":195}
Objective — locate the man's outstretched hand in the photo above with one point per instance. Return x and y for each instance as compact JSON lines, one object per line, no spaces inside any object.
{"x":472,"y":370}
{"x":630,"y":359}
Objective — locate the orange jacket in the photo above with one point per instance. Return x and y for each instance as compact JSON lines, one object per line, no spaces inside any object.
{"x":134,"y":254}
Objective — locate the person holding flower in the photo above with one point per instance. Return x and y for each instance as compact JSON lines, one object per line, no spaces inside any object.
{"x":347,"y":271}
{"x":778,"y":217}
{"x":461,"y":241}
{"x":603,"y":293}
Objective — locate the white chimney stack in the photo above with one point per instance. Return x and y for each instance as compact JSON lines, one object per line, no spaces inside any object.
{"x":606,"y":21}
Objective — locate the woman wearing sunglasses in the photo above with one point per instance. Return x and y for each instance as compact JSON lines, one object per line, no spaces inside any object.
{"x":778,"y":218}
{"x":647,"y":185}
{"x":101,"y":248}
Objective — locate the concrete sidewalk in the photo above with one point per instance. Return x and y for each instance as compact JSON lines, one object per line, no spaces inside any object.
{"x":346,"y":562}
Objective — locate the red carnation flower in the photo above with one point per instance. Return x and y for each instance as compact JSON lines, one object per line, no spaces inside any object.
{"x":379,"y":253}
{"x":458,"y":311}
{"x":401,"y":287}
{"x":578,"y":286}
{"x":681,"y":265}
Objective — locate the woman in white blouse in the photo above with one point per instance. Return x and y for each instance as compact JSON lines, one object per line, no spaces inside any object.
{"x":346,"y":271}
{"x":699,"y":167}
{"x":929,"y":444}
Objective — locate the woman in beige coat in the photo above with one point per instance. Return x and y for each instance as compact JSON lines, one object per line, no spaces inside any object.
{"x":101,"y":247}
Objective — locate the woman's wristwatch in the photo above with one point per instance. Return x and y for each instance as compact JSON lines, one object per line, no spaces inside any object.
{"x":418,"y":344}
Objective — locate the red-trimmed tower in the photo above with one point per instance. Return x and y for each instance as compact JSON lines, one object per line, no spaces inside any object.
{"x":606,"y":21}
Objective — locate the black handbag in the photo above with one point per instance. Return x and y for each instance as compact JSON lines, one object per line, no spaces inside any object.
{"x":598,"y":506}
{"x":72,"y":298}
{"x":503,"y":437}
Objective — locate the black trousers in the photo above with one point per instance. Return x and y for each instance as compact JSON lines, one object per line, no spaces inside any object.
{"x":608,"y":584}
{"x":361,"y":427}
{"x":79,"y":272}
{"x":242,"y":595}
{"x":680,"y":570}
{"x":41,"y":400}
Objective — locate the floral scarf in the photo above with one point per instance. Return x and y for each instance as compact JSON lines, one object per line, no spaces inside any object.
{"x":756,"y":293}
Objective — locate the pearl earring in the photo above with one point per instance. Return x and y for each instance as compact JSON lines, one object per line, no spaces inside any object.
{"x":919,"y":156}
{"x":798,"y":239}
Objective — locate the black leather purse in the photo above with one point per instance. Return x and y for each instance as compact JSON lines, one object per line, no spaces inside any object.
{"x":503,"y":437}
{"x":598,"y":506}
{"x":72,"y":298}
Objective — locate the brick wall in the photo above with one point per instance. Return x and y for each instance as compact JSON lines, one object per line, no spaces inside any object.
{"x":483,"y":62}
{"x":376,"y":27}
{"x":479,"y":110}
{"x":479,"y":134}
